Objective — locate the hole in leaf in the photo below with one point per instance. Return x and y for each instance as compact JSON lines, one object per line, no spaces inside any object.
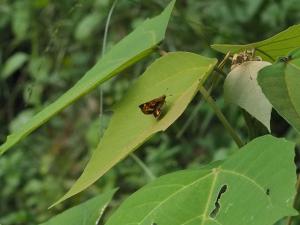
{"x":215,"y":211}
{"x":285,"y":59}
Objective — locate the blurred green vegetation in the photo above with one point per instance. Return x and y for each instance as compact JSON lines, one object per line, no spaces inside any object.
{"x":47,"y":45}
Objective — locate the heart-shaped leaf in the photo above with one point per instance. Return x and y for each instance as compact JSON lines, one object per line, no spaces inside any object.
{"x":281,"y":85}
{"x":87,"y":213}
{"x":131,"y":49}
{"x":254,"y":186}
{"x":177,"y":76}
{"x":271,"y":48}
{"x":241,"y":88}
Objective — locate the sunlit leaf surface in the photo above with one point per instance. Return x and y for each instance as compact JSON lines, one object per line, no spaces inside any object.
{"x":254,"y":186}
{"x":176,"y":75}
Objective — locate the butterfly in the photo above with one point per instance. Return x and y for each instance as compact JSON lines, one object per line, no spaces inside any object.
{"x":153,"y":106}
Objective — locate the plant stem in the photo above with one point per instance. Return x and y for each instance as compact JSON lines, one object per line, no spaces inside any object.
{"x":290,"y":218}
{"x":219,"y":68}
{"x":224,"y":60}
{"x":102,"y":54}
{"x":221,"y":116}
{"x":196,"y":110}
{"x":215,"y":81}
{"x":220,"y":72}
{"x":107,"y":26}
{"x":143,"y":166}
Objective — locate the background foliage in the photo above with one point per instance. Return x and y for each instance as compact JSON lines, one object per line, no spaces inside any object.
{"x":47,"y":45}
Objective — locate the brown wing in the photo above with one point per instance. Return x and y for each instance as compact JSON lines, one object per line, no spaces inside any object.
{"x":153,"y":106}
{"x":146,"y":108}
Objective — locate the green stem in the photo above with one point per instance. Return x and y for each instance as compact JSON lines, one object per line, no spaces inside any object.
{"x":102,"y":54}
{"x":221,"y":116}
{"x":143,"y":166}
{"x":220,"y":72}
{"x":196,"y":110}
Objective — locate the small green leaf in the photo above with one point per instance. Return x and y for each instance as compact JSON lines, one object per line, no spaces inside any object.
{"x":87,"y":213}
{"x":280,"y":83}
{"x":131,"y":49}
{"x":269,"y":49}
{"x":254,"y":186}
{"x":176,"y":75}
{"x":87,"y":25}
{"x":13,"y":63}
{"x":242,"y":89}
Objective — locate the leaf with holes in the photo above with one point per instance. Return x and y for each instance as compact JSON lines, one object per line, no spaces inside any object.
{"x":280,"y":83}
{"x":242,"y":89}
{"x":271,"y":48}
{"x":131,"y":49}
{"x":254,"y":186}
{"x":175,"y":75}
{"x":87,"y":213}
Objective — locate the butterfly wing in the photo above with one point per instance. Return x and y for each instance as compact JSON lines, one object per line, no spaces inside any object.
{"x":153,"y":106}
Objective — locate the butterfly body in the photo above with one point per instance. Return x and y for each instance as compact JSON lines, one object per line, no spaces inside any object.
{"x":153,"y":106}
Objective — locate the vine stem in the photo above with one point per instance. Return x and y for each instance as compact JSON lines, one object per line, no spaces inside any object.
{"x":290,"y":218}
{"x":102,"y":54}
{"x":143,"y":166}
{"x":221,"y":116}
{"x":215,"y":81}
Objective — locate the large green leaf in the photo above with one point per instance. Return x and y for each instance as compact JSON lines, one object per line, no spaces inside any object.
{"x":131,"y":49}
{"x":271,"y":48}
{"x":281,"y":85}
{"x":242,"y":89}
{"x":176,"y":75}
{"x":87,"y":213}
{"x":254,"y":186}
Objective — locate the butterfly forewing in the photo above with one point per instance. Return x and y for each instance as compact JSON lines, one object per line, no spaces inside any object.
{"x":153,"y":106}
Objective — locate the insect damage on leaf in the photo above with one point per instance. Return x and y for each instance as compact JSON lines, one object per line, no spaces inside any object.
{"x":215,"y":211}
{"x":153,"y":106}
{"x":245,"y":56}
{"x":285,"y":59}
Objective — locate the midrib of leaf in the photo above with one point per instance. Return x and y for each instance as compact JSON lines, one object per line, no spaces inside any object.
{"x":215,"y":173}
{"x":176,"y":192}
